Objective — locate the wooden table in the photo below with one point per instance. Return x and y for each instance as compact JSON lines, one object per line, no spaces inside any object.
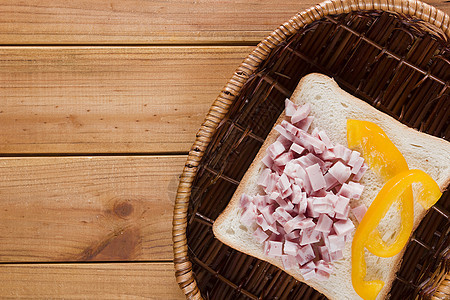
{"x":100,"y":103}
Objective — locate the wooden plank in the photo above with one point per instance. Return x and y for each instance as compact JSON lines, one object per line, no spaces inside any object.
{"x":142,"y":22}
{"x":147,"y":22}
{"x":87,"y":208}
{"x":109,"y":99}
{"x":90,"y":281}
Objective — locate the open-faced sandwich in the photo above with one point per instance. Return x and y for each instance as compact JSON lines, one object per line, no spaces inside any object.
{"x":335,"y":192}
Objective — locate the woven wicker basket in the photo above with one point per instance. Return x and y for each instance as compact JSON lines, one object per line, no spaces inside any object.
{"x":393,"y":54}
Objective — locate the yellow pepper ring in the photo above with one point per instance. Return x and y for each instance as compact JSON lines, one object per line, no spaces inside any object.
{"x":391,"y":191}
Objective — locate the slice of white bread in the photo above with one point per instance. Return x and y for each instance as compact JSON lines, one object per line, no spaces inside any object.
{"x":331,"y":107}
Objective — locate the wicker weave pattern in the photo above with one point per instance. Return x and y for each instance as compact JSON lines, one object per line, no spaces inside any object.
{"x":245,"y":81}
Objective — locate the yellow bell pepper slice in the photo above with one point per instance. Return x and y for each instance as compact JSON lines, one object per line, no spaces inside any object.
{"x":378,"y":150}
{"x":386,"y":160}
{"x":391,"y":191}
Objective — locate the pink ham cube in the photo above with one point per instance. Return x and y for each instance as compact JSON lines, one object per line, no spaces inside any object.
{"x":298,"y":223}
{"x":275,"y":149}
{"x":309,"y":236}
{"x":336,"y":255}
{"x":324,"y":224}
{"x":356,"y":189}
{"x":335,"y":242}
{"x":267,"y":161}
{"x":291,"y":108}
{"x":330,"y":181}
{"x":260,"y":235}
{"x":358,"y":165}
{"x":354,"y":157}
{"x":245,"y":200}
{"x":305,"y":123}
{"x":289,"y":262}
{"x":283,"y":159}
{"x":324,"y":253}
{"x":340,"y":171}
{"x":297,"y":148}
{"x":275,"y":248}
{"x":361,"y":172}
{"x":315,"y":177}
{"x":301,"y":113}
{"x":283,"y":183}
{"x":343,"y":227}
{"x":267,"y":212}
{"x":341,"y":205}
{"x":359,"y":212}
{"x":324,"y":138}
{"x":293,"y":236}
{"x":284,"y":141}
{"x":264,"y":225}
{"x":284,"y":133}
{"x":264,"y":177}
{"x":291,"y":248}
{"x":305,"y":254}
{"x":297,"y":194}
{"x":283,"y":213}
{"x":343,"y":216}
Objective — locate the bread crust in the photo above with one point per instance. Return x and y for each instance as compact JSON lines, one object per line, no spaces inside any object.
{"x":252,"y":171}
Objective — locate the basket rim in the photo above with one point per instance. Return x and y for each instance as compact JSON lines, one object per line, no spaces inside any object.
{"x":219,"y":108}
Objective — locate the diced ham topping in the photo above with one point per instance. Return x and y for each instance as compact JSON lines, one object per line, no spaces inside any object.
{"x":354,"y":157}
{"x":289,"y":262}
{"x":343,"y":227}
{"x":264,"y":177}
{"x":301,"y":113}
{"x":260,"y":235}
{"x":275,"y":248}
{"x":297,"y":148}
{"x":315,"y":177}
{"x":302,"y":217}
{"x":309,"y":275}
{"x":324,"y":224}
{"x":291,"y":248}
{"x":290,"y":108}
{"x":360,"y":173}
{"x":341,"y":205}
{"x":267,"y":161}
{"x":305,"y":254}
{"x":305,"y":124}
{"x":275,"y":149}
{"x":359,"y":212}
{"x":340,"y":171}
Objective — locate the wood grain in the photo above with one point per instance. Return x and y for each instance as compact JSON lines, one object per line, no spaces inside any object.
{"x":109,"y":99}
{"x":147,"y":22}
{"x":87,"y":208}
{"x":89,"y":281}
{"x":142,"y":22}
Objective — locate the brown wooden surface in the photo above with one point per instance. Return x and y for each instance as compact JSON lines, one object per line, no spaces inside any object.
{"x":87,"y":208}
{"x":146,"y":22}
{"x":109,"y":99}
{"x":100,"y":102}
{"x":90,"y":281}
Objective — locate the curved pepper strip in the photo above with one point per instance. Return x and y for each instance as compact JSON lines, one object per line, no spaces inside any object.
{"x":385,"y":159}
{"x":390,"y":192}
{"x":380,"y":153}
{"x":379,"y":247}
